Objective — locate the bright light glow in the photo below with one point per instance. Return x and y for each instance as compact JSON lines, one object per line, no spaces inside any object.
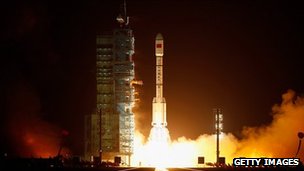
{"x":184,"y":152}
{"x":278,"y":139}
{"x":156,"y":152}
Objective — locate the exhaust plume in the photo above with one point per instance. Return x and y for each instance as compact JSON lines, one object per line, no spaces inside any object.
{"x":278,"y":139}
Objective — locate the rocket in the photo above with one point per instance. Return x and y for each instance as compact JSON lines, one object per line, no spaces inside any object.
{"x":159,"y":103}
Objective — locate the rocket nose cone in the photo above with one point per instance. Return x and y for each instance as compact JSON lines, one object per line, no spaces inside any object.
{"x":159,"y":37}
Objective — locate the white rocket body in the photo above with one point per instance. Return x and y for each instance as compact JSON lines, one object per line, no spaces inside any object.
{"x":159,"y":134}
{"x":159,"y":103}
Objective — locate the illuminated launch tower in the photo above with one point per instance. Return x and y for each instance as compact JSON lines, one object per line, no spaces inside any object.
{"x":218,"y":112}
{"x":110,"y":131}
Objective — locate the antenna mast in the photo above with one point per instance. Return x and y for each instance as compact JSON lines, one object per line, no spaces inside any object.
{"x":122,"y":18}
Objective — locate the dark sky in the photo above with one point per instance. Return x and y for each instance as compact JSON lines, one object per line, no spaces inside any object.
{"x":240,"y":56}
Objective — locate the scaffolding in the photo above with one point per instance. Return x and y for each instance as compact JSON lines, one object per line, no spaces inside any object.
{"x":218,"y":113}
{"x":124,"y":89}
{"x":109,"y":132}
{"x":112,"y":133}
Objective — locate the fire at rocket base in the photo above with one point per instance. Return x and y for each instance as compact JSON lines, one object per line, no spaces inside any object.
{"x":159,"y":134}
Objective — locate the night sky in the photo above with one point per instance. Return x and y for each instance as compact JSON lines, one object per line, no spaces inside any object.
{"x":240,"y":56}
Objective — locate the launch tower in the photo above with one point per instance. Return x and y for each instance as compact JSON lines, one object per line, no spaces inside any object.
{"x":110,"y":130}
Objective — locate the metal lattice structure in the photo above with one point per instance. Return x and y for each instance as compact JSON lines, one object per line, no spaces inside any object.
{"x":124,"y":90}
{"x":218,"y":113}
{"x":110,"y":131}
{"x":112,"y":128}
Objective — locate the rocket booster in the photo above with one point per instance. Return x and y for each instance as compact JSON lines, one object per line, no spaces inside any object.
{"x":159,"y":103}
{"x":159,"y":52}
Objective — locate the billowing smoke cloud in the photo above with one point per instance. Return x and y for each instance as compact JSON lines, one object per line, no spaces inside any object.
{"x":30,"y":135}
{"x":278,"y":139}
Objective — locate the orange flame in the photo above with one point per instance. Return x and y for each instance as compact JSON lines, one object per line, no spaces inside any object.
{"x":278,"y":139}
{"x":35,"y":138}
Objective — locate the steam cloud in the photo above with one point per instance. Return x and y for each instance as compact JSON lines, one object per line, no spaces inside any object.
{"x":278,"y":139}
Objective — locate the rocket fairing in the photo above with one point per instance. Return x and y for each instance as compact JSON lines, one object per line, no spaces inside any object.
{"x":159,"y":102}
